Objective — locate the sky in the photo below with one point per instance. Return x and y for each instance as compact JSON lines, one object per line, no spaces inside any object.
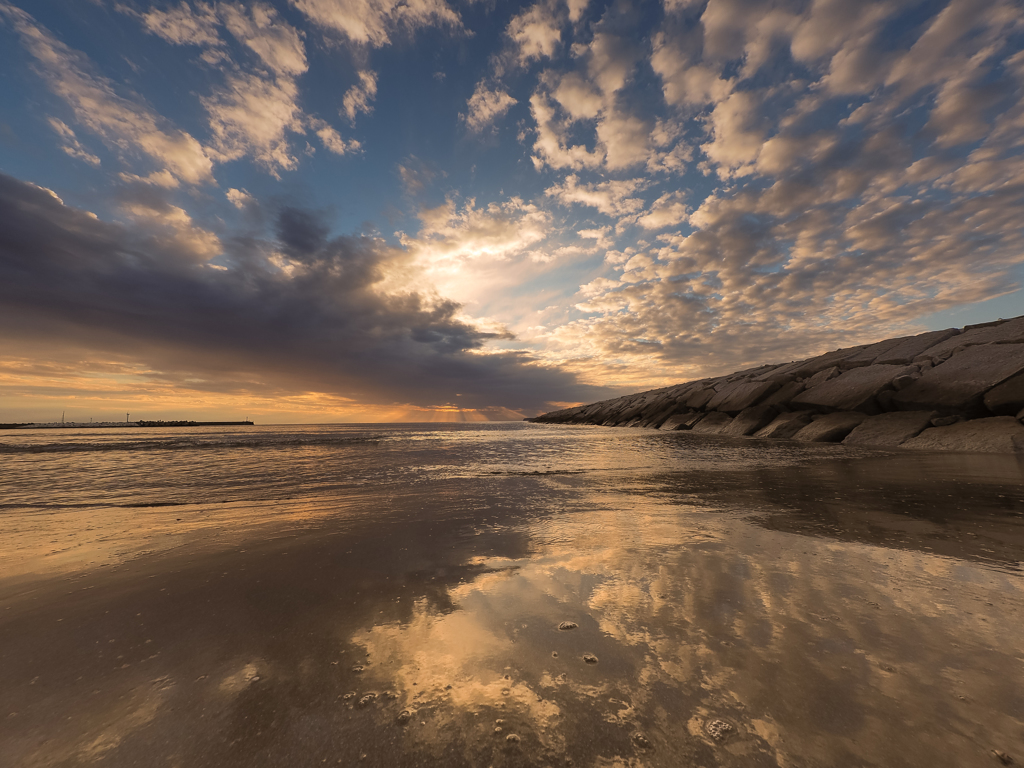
{"x":458,"y":210}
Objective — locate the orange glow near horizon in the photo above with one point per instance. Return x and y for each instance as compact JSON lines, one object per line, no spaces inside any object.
{"x":30,"y":392}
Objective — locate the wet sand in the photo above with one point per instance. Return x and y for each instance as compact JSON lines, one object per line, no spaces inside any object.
{"x":861,"y":610}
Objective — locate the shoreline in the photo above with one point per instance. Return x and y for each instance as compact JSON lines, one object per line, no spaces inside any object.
{"x":958,"y":389}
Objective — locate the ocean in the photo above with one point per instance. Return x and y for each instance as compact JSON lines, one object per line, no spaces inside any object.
{"x":504,"y":595}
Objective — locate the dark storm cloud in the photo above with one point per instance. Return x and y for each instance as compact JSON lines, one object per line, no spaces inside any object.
{"x":319,"y":321}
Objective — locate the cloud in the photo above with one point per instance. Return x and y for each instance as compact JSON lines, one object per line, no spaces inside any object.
{"x":535,"y":32}
{"x":125,"y":123}
{"x":239,"y":198}
{"x":486,"y":106}
{"x":181,"y":25}
{"x":253,"y":115}
{"x":329,"y":326}
{"x":357,"y":98}
{"x":70,"y":144}
{"x":373,"y":22}
{"x":276,"y":42}
{"x":612,"y":198}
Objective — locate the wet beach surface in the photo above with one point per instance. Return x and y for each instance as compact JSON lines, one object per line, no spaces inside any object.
{"x":509,"y":595}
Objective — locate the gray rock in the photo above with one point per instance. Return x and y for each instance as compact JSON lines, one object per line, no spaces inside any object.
{"x":700,"y":397}
{"x":997,"y":434}
{"x":904,"y":381}
{"x":1007,"y":398}
{"x":782,"y":397}
{"x":830,"y":428}
{"x":852,"y":391}
{"x":822,"y":376}
{"x":739,"y":395}
{"x":658,"y":419}
{"x":785,"y":425}
{"x":889,"y":430}
{"x":870,"y":353}
{"x":1009,"y":331}
{"x":678,"y":421}
{"x":712,"y":423}
{"x":805,"y":368}
{"x":960,"y":383}
{"x":750,"y":420}
{"x":912,"y":346}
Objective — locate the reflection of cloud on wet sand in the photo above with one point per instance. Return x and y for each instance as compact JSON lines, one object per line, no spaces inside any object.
{"x":807,"y":650}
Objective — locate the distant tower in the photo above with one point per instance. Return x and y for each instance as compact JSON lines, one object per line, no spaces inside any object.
{"x":62,"y":417}
{"x":126,"y":418}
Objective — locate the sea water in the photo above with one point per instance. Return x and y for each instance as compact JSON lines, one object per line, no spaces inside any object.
{"x":504,"y":594}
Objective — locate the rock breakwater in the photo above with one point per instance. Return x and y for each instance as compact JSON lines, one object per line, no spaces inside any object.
{"x":959,"y":389}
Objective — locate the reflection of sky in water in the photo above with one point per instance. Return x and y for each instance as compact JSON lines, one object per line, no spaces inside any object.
{"x":747,"y":604}
{"x":814,"y":652}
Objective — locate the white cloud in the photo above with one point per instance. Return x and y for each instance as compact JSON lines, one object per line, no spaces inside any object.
{"x":331,"y":139}
{"x":535,"y":32}
{"x":181,"y":25}
{"x":612,"y":198}
{"x":576,"y":9}
{"x":275,"y":41}
{"x":70,"y":143}
{"x":357,"y":98}
{"x":171,"y":229}
{"x":667,"y":211}
{"x":251,"y":115}
{"x":373,"y":22}
{"x":240,"y":198}
{"x":125,"y":123}
{"x":157,"y":179}
{"x":486,"y":106}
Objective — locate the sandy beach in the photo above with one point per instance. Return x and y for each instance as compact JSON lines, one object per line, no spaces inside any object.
{"x":721,"y":604}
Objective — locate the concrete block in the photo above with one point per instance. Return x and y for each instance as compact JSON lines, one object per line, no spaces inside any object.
{"x":830,"y":428}
{"x":854,"y":390}
{"x":786,"y":425}
{"x":739,"y":395}
{"x":960,"y":383}
{"x":996,"y":434}
{"x":712,"y":423}
{"x":889,"y":430}
{"x":1007,"y":398}
{"x":1006,"y":332}
{"x":750,"y":420}
{"x":912,"y":346}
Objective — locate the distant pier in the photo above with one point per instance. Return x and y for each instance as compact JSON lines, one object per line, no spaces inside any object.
{"x":122,"y":424}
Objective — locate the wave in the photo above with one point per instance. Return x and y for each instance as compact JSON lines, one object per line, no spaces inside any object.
{"x":190,"y":444}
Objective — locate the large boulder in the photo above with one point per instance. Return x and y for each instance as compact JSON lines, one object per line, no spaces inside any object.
{"x":959,"y":384}
{"x":785,"y":425}
{"x":889,"y":430}
{"x":1007,"y":398}
{"x":805,"y":368}
{"x":712,"y":423}
{"x":750,"y":420}
{"x":739,"y":395}
{"x":681,"y":420}
{"x":782,"y":397}
{"x":700,"y":397}
{"x":1006,"y":332}
{"x":912,"y":346}
{"x":996,"y":434}
{"x":830,"y":428}
{"x":854,"y":390}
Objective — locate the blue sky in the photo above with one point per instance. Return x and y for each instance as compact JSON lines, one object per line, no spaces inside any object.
{"x":322,"y":210}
